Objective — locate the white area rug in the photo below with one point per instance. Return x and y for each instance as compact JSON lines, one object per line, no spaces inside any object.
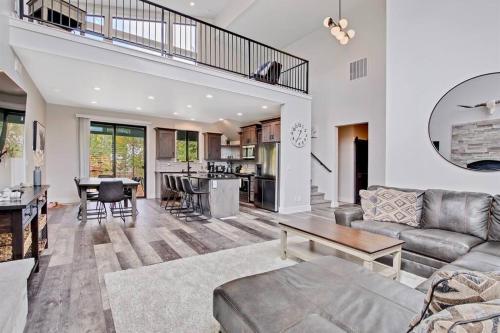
{"x":176,"y":296}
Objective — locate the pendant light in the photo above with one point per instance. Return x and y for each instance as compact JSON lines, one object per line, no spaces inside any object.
{"x":338,"y":29}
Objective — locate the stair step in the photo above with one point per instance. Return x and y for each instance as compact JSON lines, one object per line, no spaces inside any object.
{"x":317,"y":194}
{"x":314,"y":188}
{"x":321,"y":203}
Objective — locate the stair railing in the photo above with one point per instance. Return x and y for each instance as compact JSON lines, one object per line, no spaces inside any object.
{"x":321,"y":163}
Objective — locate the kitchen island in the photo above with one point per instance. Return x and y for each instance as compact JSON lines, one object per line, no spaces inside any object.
{"x":224,"y":193}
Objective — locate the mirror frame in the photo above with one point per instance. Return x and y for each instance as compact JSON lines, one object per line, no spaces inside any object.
{"x":434,"y":110}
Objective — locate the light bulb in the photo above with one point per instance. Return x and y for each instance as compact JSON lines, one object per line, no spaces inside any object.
{"x":341,"y":35}
{"x":343,"y":23}
{"x":351,"y":33}
{"x":335,"y":30}
{"x":327,"y":22}
{"x":344,"y":41}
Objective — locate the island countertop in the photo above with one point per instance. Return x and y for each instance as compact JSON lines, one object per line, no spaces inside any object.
{"x":207,"y":176}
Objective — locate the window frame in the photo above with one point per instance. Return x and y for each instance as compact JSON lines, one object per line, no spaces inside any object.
{"x":188,"y":158}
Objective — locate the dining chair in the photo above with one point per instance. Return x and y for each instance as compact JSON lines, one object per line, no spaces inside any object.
{"x":111,"y":192}
{"x":91,"y":197}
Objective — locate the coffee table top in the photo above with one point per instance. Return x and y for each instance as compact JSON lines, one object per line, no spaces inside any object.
{"x":357,"y":239}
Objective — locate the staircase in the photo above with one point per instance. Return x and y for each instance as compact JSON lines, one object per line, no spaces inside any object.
{"x":318,"y":198}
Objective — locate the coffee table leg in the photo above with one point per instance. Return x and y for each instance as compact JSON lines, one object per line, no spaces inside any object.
{"x":396,"y":263}
{"x":368,"y":264}
{"x":283,"y":244}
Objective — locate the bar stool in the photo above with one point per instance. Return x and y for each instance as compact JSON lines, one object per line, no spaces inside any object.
{"x":165,"y":195}
{"x":175,"y":195}
{"x":180,"y":188}
{"x":190,"y":193}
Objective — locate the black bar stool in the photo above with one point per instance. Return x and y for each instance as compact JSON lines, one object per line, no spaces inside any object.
{"x":190,"y":193}
{"x":175,"y":195}
{"x":184,"y":198}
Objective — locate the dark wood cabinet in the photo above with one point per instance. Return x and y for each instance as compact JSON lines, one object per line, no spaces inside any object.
{"x":165,"y":143}
{"x":249,"y":135}
{"x":271,"y":130}
{"x":212,"y":146}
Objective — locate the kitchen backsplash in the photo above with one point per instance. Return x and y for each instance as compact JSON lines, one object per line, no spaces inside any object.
{"x":174,"y":166}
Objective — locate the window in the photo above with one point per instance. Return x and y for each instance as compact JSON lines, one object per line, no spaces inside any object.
{"x":184,"y":37}
{"x":187,"y":146}
{"x":149,"y":30}
{"x":12,"y":123}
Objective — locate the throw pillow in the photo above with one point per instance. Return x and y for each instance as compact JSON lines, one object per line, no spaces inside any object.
{"x":455,"y":288}
{"x":464,"y":318}
{"x":368,"y":204}
{"x":396,"y":206}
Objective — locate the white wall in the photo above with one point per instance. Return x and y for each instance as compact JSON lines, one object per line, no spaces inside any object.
{"x":337,"y":100}
{"x":35,"y":104}
{"x":347,"y":135}
{"x":431,"y":48}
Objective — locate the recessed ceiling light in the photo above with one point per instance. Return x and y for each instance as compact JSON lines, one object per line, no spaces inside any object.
{"x":239,"y":114}
{"x":192,"y":119}
{"x":151,"y":97}
{"x":192,"y":4}
{"x":138,"y":108}
{"x":57,"y":90}
{"x":264,"y":107}
{"x":97,"y":88}
{"x":221,"y":119}
{"x":189,"y":106}
{"x":93,"y":102}
{"x":209,"y":96}
{"x":176,"y":113}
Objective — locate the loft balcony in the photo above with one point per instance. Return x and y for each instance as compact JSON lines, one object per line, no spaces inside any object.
{"x":152,"y":28}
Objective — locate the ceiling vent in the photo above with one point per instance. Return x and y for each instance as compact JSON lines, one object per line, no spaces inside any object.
{"x":358,"y":69}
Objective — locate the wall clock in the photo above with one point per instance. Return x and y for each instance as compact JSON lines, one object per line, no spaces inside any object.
{"x":299,"y":135}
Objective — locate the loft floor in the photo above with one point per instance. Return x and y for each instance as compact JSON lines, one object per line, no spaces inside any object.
{"x":69,"y":294}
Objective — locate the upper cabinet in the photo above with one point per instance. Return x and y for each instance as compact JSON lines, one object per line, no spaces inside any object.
{"x":248,"y":135}
{"x":271,"y":130}
{"x":165,"y":143}
{"x":212,"y":146}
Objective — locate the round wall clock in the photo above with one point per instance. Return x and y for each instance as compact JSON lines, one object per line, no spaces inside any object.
{"x":299,"y":135}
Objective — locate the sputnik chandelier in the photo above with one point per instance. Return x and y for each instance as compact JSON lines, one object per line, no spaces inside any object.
{"x":338,"y":29}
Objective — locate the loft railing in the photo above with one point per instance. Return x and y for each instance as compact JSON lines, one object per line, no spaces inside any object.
{"x":158,"y":29}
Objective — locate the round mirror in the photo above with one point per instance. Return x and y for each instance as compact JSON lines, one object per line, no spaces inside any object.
{"x":464,"y":127}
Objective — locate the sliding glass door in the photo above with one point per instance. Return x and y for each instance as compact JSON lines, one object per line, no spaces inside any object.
{"x":118,"y":151}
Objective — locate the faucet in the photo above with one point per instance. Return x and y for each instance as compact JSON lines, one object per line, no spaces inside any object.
{"x":189,"y":167}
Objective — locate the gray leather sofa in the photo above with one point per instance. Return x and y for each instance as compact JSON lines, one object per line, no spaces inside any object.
{"x":459,"y":231}
{"x":452,"y":225}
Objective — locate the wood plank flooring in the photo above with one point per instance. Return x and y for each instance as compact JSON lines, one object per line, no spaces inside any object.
{"x":69,"y":293}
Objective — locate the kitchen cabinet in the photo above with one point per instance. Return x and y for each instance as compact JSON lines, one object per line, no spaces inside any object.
{"x":212,"y":146}
{"x":271,"y":130}
{"x":249,"y":135}
{"x":165,"y":143}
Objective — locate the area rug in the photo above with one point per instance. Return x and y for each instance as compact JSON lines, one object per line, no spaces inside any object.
{"x":176,"y":296}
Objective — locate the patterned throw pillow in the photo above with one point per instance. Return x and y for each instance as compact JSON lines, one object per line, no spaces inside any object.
{"x":368,"y":204}
{"x":455,"y":288}
{"x":396,"y":206}
{"x":464,"y":318}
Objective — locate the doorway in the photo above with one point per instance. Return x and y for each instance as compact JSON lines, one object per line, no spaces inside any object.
{"x":118,"y":151}
{"x":352,"y":162}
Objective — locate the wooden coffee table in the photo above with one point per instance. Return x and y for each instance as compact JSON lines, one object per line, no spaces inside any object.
{"x":364,"y":245}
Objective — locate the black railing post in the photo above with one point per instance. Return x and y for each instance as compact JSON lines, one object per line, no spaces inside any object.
{"x":162,"y":31}
{"x":307,"y":77}
{"x":21,"y":9}
{"x":249,"y":61}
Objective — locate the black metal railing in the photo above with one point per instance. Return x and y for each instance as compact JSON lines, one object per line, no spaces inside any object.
{"x":155,"y":28}
{"x":321,"y":163}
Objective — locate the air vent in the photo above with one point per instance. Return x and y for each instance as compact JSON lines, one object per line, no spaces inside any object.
{"x":359,"y":69}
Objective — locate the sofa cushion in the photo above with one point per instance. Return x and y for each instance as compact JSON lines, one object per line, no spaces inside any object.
{"x":382,"y":228}
{"x":463,"y":212}
{"x":314,"y":323}
{"x":479,"y":261}
{"x":492,"y":248}
{"x":420,"y":197}
{"x":494,"y":231}
{"x":439,"y":244}
{"x":396,"y":206}
{"x":350,"y":296}
{"x":464,"y":318}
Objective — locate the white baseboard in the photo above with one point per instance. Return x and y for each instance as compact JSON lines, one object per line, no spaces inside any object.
{"x":295,"y":209}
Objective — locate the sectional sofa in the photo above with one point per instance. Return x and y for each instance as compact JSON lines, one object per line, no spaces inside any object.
{"x":458,"y":231}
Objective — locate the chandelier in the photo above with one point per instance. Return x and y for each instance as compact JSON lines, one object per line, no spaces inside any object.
{"x":338,"y":29}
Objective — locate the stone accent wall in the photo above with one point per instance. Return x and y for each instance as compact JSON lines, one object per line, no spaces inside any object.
{"x":475,"y":141}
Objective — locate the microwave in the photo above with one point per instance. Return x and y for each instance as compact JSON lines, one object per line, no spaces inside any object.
{"x":248,"y":152}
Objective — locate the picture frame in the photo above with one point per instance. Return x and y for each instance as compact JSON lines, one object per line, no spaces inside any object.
{"x":39,"y":135}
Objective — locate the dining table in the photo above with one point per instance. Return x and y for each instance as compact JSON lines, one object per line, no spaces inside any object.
{"x":93,"y":184}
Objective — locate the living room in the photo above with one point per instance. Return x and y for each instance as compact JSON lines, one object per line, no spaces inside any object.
{"x":420,"y":253}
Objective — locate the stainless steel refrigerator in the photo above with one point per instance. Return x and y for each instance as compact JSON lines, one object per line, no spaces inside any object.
{"x":267,"y":177}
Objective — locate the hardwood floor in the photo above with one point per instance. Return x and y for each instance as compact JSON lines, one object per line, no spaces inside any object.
{"x":69,"y":294}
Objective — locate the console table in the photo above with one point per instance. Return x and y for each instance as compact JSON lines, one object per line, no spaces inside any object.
{"x":23,"y":226}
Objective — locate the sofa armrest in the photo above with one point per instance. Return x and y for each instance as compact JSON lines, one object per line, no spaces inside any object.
{"x":344,"y":216}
